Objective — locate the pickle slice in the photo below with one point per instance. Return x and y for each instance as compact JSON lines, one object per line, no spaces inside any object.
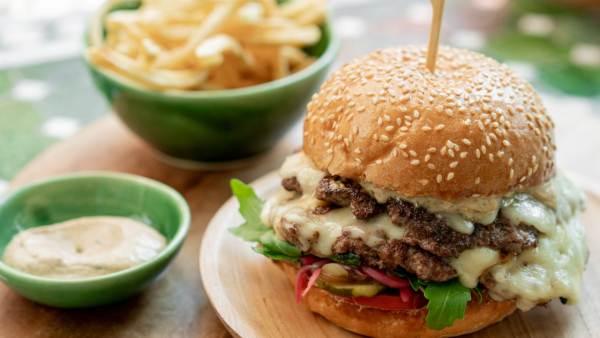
{"x":351,"y":290}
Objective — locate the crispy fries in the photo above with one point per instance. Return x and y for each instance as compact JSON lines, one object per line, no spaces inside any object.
{"x":205,"y":44}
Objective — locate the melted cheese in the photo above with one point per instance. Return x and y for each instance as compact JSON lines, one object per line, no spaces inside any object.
{"x":472,"y":263}
{"x":551,"y":270}
{"x":555,"y":267}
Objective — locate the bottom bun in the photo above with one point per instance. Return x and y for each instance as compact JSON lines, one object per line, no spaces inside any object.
{"x":381,"y":323}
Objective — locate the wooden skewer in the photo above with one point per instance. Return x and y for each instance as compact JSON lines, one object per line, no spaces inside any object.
{"x":434,"y":33}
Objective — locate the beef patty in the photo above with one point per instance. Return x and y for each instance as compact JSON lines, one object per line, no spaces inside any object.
{"x":427,"y":238}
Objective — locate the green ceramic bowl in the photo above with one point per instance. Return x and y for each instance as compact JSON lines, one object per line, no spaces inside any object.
{"x":220,"y":125}
{"x":92,"y":194}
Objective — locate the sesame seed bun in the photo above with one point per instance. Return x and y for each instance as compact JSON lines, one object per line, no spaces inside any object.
{"x":380,"y":323}
{"x":474,"y":128}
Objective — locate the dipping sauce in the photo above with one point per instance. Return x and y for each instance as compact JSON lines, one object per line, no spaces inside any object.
{"x":83,"y":247}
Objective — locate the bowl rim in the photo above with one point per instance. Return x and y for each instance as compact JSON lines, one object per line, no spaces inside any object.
{"x":172,"y":246}
{"x":329,"y":54}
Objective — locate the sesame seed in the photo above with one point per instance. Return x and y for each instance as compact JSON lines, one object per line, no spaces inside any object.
{"x":491,"y":157}
{"x":424,"y":182}
{"x":510,"y":161}
{"x":395,"y":153}
{"x":451,"y":152}
{"x":522,"y":179}
{"x":431,"y":166}
{"x":399,"y":121}
{"x":506,"y":143}
{"x":375,"y":137}
{"x":431,"y":150}
{"x":439,"y":178}
{"x":416,"y":114}
{"x":370,"y":94}
{"x":453,"y":164}
{"x":326,"y":104}
{"x":426,"y":128}
{"x":402,"y":146}
{"x":440,"y":127}
{"x":351,"y":104}
{"x":467,"y":142}
{"x":477,"y":153}
{"x":468,"y":122}
{"x":379,"y":161}
{"x":357,"y":151}
{"x":449,"y":144}
{"x":403,"y":129}
{"x":463,"y":154}
{"x":483,"y":149}
{"x":535,"y":168}
{"x":350,"y":117}
{"x":450,"y":176}
{"x":512,"y":173}
{"x":480,"y":125}
{"x":412,"y":153}
{"x":443,"y":151}
{"x":380,"y":121}
{"x":478,"y":180}
{"x":386,"y":117}
{"x":339,"y":109}
{"x":346,"y":142}
{"x":414,"y":162}
{"x":449,"y":112}
{"x":331,"y":116}
{"x":385,"y":138}
{"x":408,"y":118}
{"x":405,"y":154}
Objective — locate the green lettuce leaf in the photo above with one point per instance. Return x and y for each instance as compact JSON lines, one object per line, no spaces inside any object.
{"x":412,"y":279}
{"x":352,"y":259}
{"x":250,"y":207}
{"x":253,"y":230}
{"x":447,"y":302}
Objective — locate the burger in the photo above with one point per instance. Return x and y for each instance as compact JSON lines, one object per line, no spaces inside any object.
{"x":423,"y":205}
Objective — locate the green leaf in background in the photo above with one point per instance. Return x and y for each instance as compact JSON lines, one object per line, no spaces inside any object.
{"x":250,"y":207}
{"x":447,"y":302}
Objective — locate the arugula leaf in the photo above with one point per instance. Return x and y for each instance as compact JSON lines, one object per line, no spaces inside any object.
{"x":255,"y":231}
{"x":412,"y":279}
{"x":352,"y":259}
{"x":478,"y":289}
{"x":447,"y":302}
{"x":250,"y":207}
{"x":270,"y":241}
{"x":274,"y":255}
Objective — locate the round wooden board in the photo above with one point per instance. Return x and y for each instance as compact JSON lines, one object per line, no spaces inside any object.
{"x":176,"y":306}
{"x":254,"y":298}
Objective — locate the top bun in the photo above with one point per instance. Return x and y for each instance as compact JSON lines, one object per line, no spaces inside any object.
{"x":474,"y":128}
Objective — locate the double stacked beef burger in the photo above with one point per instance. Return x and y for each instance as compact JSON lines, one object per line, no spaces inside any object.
{"x":423,"y":205}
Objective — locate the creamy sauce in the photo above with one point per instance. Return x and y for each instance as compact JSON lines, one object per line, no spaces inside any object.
{"x":472,"y":263}
{"x":83,"y":247}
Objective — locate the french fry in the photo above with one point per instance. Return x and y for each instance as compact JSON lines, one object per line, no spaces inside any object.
{"x":205,"y":44}
{"x":159,"y":78}
{"x":294,"y":36}
{"x":293,"y":54}
{"x":212,"y":23}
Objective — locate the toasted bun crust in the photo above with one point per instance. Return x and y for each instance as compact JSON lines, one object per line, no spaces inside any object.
{"x":380,"y":323}
{"x":474,"y":128}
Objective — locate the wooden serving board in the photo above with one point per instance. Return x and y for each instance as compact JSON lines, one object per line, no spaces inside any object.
{"x":177,"y":305}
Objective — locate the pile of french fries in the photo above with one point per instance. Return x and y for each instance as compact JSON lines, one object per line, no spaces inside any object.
{"x":206,"y":44}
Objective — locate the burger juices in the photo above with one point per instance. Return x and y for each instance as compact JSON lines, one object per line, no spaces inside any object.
{"x":423,"y":205}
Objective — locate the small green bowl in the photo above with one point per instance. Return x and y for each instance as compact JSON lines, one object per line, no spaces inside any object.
{"x":218,"y":125}
{"x":92,"y":194}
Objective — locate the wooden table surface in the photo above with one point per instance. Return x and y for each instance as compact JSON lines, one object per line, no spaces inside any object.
{"x":177,"y":305}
